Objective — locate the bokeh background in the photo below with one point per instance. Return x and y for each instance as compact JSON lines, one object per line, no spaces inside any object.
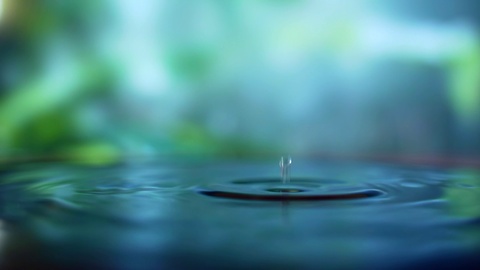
{"x":105,"y":79}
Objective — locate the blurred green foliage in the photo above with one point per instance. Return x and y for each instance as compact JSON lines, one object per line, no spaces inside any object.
{"x":101,"y":79}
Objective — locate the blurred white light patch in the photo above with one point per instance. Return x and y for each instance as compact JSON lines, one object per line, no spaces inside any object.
{"x":146,"y":77}
{"x":140,"y":47}
{"x":1,"y":10}
{"x":428,"y":41}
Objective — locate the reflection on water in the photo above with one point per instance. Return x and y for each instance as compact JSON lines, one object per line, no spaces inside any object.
{"x":152,"y":215}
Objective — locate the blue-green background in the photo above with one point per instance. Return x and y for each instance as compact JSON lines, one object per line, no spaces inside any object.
{"x":104,"y":79}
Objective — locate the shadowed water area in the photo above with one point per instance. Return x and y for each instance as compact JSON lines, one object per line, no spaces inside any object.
{"x":237,"y":215}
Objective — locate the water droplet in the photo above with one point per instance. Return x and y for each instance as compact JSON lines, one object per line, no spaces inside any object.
{"x":285,"y":163}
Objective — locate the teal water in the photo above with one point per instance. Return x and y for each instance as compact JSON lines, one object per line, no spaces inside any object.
{"x":173,"y":215}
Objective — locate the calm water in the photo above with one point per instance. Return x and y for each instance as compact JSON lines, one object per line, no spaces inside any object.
{"x":235,"y":215}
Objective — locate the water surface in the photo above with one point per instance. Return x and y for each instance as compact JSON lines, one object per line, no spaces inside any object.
{"x":169,"y":215}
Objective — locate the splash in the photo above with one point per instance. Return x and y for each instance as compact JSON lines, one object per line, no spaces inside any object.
{"x":284,"y":164}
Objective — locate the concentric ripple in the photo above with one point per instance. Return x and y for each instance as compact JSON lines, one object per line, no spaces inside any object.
{"x":270,"y":189}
